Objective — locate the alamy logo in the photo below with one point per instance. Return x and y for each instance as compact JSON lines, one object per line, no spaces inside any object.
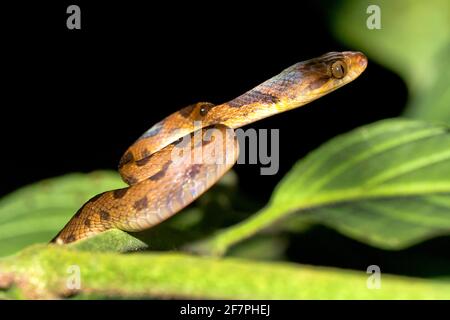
{"x":374,"y":280}
{"x":254,"y":146}
{"x":374,"y":20}
{"x":74,"y":19}
{"x":74,"y":279}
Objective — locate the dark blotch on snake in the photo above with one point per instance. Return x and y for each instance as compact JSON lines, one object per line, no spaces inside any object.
{"x":87,"y":222}
{"x":186,"y":112}
{"x":95,"y":198}
{"x":70,"y":238}
{"x":161,"y":172}
{"x":104,"y":215}
{"x":194,"y":170}
{"x":253,"y":96}
{"x":141,"y":204}
{"x":127,"y":157}
{"x":144,"y":154}
{"x":318,"y":83}
{"x":143,"y":161}
{"x":117,"y":194}
{"x":130,"y":180}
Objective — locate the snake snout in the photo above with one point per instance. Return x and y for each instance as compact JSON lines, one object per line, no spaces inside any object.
{"x":359,"y":60}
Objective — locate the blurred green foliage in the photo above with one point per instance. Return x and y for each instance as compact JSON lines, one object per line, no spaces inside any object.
{"x":386,"y":184}
{"x":414,"y":42}
{"x":34,"y":213}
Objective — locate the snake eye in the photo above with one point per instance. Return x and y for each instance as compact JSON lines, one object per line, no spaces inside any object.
{"x":339,"y":69}
{"x":203,"y":111}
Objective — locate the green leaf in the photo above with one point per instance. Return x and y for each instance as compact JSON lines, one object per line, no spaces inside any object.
{"x":386,"y":184}
{"x":110,"y":240}
{"x":43,"y":272}
{"x":414,"y":41}
{"x":35,"y":213}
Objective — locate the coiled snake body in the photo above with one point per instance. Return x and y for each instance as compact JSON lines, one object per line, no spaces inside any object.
{"x":158,"y":167}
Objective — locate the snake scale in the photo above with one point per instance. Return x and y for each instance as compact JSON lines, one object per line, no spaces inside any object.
{"x":160,"y":184}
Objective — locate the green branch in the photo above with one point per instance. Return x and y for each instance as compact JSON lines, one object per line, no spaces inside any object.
{"x":43,"y":272}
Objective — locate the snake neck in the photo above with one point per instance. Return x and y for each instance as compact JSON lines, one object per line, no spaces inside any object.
{"x":294,"y":87}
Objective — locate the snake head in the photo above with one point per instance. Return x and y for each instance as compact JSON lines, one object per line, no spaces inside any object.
{"x":316,"y":77}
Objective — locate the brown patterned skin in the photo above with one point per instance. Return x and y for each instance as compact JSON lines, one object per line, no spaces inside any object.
{"x":162,"y":184}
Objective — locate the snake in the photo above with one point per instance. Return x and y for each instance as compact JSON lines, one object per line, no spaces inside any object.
{"x":159,"y":169}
